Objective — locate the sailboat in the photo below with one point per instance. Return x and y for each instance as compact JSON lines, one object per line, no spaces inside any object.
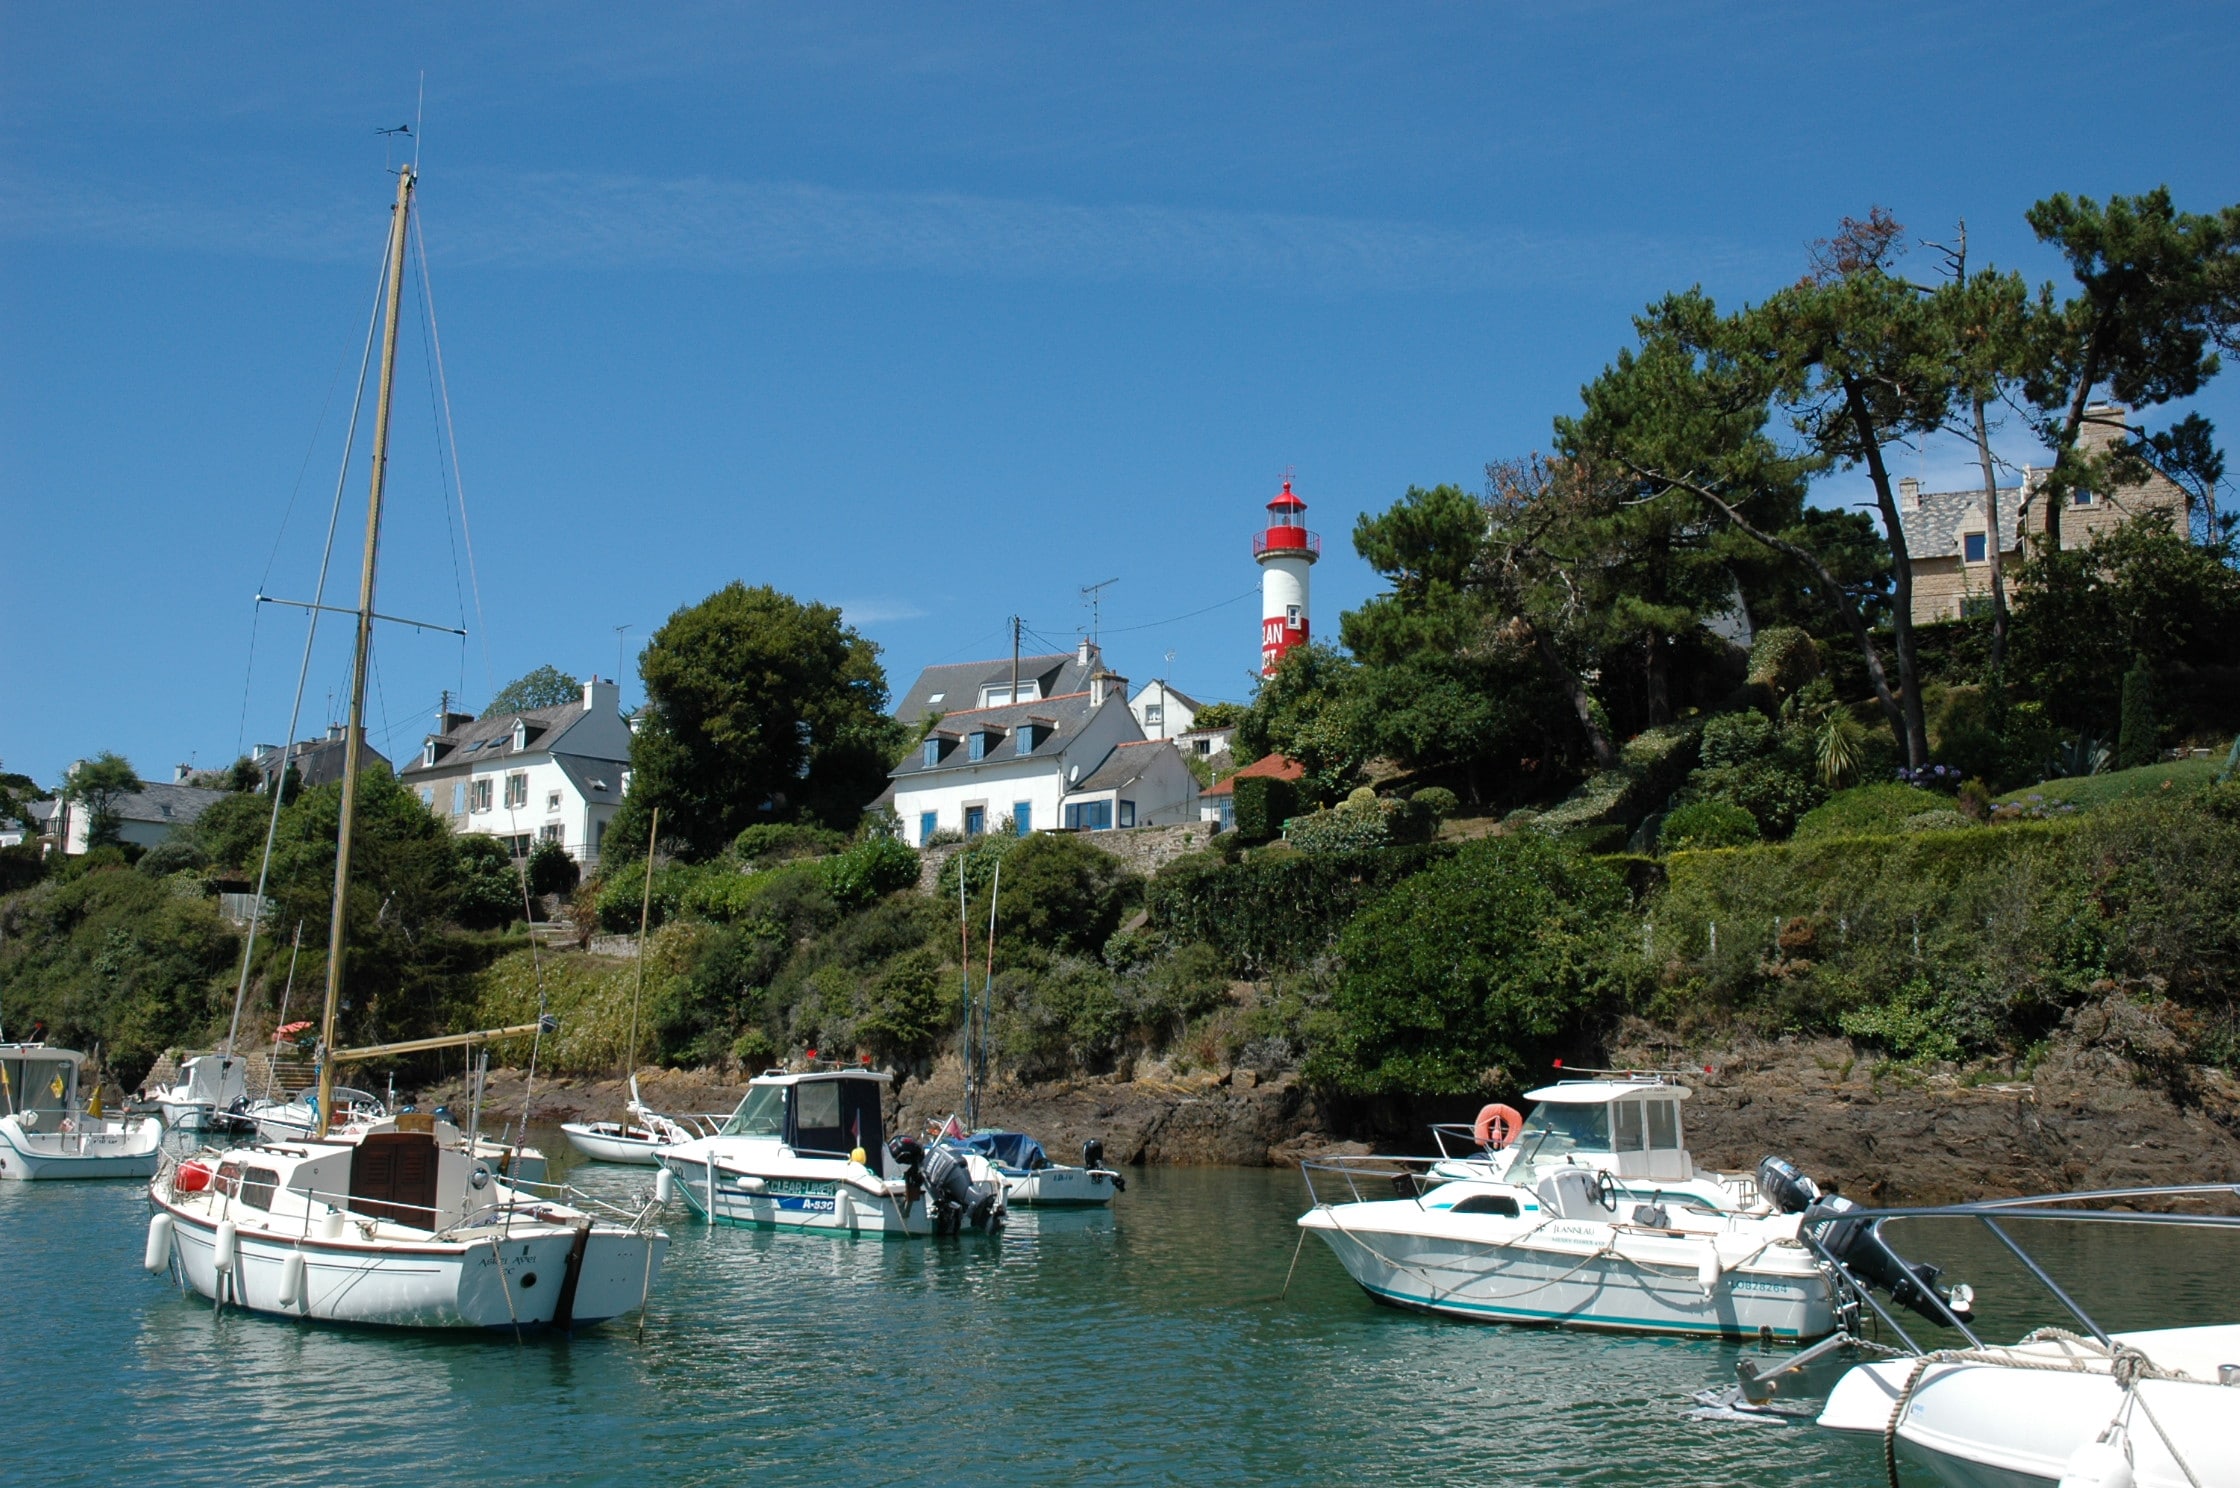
{"x":639,"y":1139}
{"x":392,"y":1220}
{"x":1011,"y":1160}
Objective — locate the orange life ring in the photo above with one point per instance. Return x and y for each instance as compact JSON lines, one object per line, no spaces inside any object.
{"x":1511,"y":1124}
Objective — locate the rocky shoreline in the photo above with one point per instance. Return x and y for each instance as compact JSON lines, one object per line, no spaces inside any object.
{"x":2085,"y":1117}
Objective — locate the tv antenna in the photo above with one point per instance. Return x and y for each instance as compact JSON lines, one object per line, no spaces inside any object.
{"x":1094,"y":594}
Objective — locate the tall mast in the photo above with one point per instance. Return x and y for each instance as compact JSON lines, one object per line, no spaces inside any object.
{"x":354,"y":733}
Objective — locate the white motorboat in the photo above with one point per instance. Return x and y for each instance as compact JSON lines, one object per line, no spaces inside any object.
{"x":638,"y":1140}
{"x":395,"y":1223}
{"x":46,"y":1132}
{"x":2073,"y":1404}
{"x":210,"y":1094}
{"x":297,"y":1118}
{"x":1029,"y":1178}
{"x":1589,"y":1214}
{"x":807,"y":1151}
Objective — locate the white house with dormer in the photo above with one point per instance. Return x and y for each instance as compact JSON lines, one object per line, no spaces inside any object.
{"x":541,"y":775}
{"x":1073,"y":760}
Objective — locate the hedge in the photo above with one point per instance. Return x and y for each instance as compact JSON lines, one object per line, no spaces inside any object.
{"x":1275,"y":909}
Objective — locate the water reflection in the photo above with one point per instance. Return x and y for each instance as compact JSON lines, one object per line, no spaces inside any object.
{"x":1144,"y":1344}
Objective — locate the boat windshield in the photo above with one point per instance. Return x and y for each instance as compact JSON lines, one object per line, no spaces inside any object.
{"x":761,"y":1114}
{"x":1557,"y":1130}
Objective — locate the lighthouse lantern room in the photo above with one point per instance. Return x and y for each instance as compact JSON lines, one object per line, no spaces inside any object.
{"x":1284,"y":552}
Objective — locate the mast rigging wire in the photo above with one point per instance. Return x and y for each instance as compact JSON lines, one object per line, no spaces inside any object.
{"x":279,"y":787}
{"x":451,"y":437}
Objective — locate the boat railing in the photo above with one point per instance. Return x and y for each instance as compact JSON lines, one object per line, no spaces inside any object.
{"x":1366,"y":1178}
{"x":1994,"y":1215}
{"x":516,"y":1199}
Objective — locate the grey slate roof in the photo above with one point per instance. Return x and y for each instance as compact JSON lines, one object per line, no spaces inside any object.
{"x":319,"y":761}
{"x":1064,"y":715}
{"x":1934,"y":530}
{"x":488,"y":739}
{"x":600,"y":781}
{"x":949,"y":689}
{"x":1127,"y":764}
{"x":164,"y":805}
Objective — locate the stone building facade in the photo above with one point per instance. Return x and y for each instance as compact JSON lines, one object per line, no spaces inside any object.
{"x":1949,"y":540}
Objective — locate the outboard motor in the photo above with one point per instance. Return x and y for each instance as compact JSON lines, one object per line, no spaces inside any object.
{"x":1860,"y":1249}
{"x":910,"y":1157}
{"x":1785,"y":1186}
{"x":1092,"y":1158}
{"x":955,"y":1199}
{"x":443,"y":1114}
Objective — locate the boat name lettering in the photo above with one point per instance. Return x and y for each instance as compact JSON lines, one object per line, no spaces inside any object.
{"x":805,"y":1187}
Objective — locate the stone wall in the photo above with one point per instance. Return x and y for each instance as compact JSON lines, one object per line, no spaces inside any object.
{"x":1144,"y":849}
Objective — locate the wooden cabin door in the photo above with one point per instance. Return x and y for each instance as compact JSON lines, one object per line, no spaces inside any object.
{"x":393,"y":1177}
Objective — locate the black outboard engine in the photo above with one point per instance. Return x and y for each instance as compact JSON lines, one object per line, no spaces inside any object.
{"x":1092,"y":1158}
{"x":954,"y":1198}
{"x":1858,"y":1246}
{"x":910,"y":1157}
{"x":1785,"y":1186}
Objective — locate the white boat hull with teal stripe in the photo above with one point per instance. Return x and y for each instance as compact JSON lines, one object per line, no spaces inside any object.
{"x":1723,"y":1276}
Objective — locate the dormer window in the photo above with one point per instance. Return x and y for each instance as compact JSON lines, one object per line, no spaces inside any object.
{"x":520,"y":734}
{"x":976,"y":746}
{"x":428,"y":753}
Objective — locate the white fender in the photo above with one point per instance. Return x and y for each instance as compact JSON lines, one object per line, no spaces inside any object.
{"x":292,"y":1273}
{"x":753,"y":1183}
{"x":2097,"y":1464}
{"x":330,"y":1225}
{"x":1708,"y":1270}
{"x":664,"y":1185}
{"x":229,"y":1245}
{"x":158,"y":1258}
{"x":843,"y":1209}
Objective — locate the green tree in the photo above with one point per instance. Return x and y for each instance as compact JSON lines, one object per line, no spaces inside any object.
{"x":1218,"y":715}
{"x":2157,"y":291}
{"x":2141,"y":590}
{"x":1307,"y":711}
{"x":98,"y":785}
{"x":1058,"y":892}
{"x":546,"y":687}
{"x":1466,"y":974}
{"x":760,"y":708}
{"x":2137,"y":742}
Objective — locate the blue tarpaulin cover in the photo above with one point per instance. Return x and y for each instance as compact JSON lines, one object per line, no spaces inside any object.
{"x":1005,"y":1148}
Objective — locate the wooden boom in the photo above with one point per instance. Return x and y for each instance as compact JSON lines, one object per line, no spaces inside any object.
{"x":443,"y":1041}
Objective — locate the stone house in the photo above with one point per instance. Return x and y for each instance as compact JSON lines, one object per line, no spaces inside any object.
{"x":1948,"y":539}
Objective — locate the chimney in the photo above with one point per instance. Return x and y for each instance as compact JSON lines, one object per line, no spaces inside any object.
{"x":179,"y":774}
{"x":1103,"y":683}
{"x":334,"y":731}
{"x":1909,"y":494}
{"x":602,"y":696}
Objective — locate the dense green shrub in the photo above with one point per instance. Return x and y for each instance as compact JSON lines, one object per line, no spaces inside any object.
{"x":775,"y":842}
{"x":1701,"y":824}
{"x":1055,"y":1015}
{"x":2003,"y":929}
{"x":975,"y":863}
{"x":552,"y":871}
{"x":1360,"y":824}
{"x":1273,"y":909}
{"x":912,"y":1005}
{"x":1652,"y":766}
{"x":1059,"y":892}
{"x":1264,"y":803}
{"x":1437,"y":800}
{"x":489,"y":892}
{"x":1466,"y":973}
{"x":1866,"y":811}
{"x":2137,"y":741}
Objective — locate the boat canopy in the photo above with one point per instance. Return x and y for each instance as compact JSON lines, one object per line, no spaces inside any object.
{"x":1007,"y":1149}
{"x":1602,"y":1092}
{"x":34,"y":1077}
{"x":826,"y":1113}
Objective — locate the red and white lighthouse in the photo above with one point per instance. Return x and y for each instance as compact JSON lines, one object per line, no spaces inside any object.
{"x":1284,"y":552}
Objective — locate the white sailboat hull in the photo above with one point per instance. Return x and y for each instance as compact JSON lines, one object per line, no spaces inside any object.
{"x":488,"y":1281}
{"x":1057,"y":1187}
{"x":100,"y":1149}
{"x":610,"y":1141}
{"x":1987,"y":1425}
{"x":1620,"y":1283}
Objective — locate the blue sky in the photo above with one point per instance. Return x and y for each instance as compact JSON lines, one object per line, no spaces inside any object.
{"x":937,"y":313}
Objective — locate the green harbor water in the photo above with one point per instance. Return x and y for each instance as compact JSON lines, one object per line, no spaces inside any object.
{"x":1144,"y":1345}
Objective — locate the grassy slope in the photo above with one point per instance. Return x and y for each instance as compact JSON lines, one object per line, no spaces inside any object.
{"x":2188,"y":775}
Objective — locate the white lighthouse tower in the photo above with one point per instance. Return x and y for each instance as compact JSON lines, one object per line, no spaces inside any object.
{"x":1284,"y":552}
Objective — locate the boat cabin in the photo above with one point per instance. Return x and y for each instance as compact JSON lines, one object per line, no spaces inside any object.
{"x":38,"y":1083}
{"x":1629,"y":1127}
{"x":824,"y":1113}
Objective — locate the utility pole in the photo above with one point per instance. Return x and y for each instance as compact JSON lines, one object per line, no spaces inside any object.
{"x":1014,"y":658}
{"x":619,"y":632}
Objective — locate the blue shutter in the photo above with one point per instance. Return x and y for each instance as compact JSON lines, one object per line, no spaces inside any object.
{"x":933,"y":753}
{"x":929,"y":822}
{"x":975,"y":820}
{"x":1022,"y":817}
{"x":977,"y":749}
